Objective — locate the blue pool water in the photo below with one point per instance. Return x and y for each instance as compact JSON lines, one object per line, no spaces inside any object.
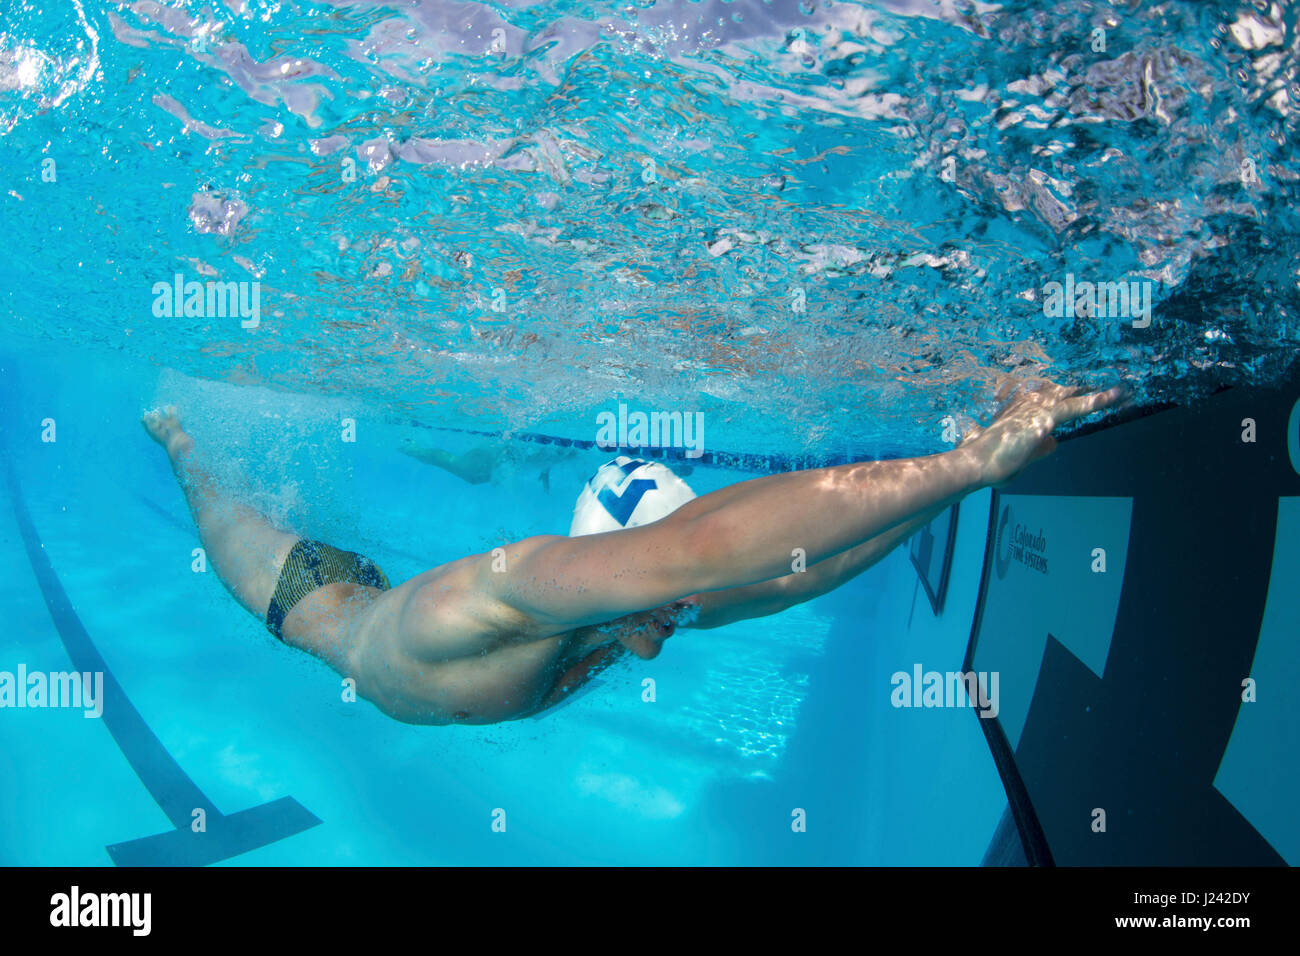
{"x":750,"y":721}
{"x":827,"y":227}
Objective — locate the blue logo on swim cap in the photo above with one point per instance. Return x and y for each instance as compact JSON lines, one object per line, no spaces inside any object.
{"x":621,"y":506}
{"x":627,"y":493}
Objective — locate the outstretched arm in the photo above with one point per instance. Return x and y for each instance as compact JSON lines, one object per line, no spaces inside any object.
{"x":638,"y":635}
{"x":718,"y":608}
{"x":744,"y":534}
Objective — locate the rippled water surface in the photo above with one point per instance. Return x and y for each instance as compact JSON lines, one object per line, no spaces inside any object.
{"x":822,"y":224}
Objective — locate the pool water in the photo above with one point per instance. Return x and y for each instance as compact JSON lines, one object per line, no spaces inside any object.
{"x":749,"y":722}
{"x":832,"y":229}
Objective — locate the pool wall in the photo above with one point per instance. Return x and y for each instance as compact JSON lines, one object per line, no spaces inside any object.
{"x":1140,"y":603}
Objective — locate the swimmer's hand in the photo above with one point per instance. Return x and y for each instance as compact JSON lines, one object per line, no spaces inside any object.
{"x":644,"y":633}
{"x":1022,"y":431}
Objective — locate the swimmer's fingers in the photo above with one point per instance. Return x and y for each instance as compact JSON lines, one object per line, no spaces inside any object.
{"x":1068,"y":409}
{"x":1006,"y":389}
{"x":1047,"y":392}
{"x":1017,"y":393}
{"x":1009,"y":394}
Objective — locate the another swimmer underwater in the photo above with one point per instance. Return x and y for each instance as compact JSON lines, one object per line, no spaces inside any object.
{"x":463,"y":643}
{"x":485,"y":463}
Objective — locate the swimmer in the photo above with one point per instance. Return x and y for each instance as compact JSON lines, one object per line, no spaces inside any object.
{"x":485,"y":463}
{"x":468,"y":642}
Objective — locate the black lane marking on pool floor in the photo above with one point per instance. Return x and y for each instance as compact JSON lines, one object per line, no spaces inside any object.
{"x":170,"y":786}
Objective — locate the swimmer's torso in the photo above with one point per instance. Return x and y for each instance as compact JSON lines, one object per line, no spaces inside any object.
{"x":425,"y":653}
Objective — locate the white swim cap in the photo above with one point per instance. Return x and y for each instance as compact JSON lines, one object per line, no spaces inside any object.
{"x":627,"y":493}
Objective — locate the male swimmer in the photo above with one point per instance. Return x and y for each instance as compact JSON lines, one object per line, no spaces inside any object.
{"x":467,"y":643}
{"x":484,"y":463}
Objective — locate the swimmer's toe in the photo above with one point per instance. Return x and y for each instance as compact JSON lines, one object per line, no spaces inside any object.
{"x":162,"y":424}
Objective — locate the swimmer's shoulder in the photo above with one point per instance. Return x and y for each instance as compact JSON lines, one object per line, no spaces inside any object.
{"x":447,"y":613}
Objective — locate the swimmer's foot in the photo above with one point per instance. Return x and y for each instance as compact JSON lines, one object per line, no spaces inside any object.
{"x":164,"y":427}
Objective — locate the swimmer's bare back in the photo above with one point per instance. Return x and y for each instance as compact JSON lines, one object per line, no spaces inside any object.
{"x":500,"y":636}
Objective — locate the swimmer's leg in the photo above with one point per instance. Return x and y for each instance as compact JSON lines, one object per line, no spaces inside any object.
{"x":474,"y":466}
{"x":246,"y":551}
